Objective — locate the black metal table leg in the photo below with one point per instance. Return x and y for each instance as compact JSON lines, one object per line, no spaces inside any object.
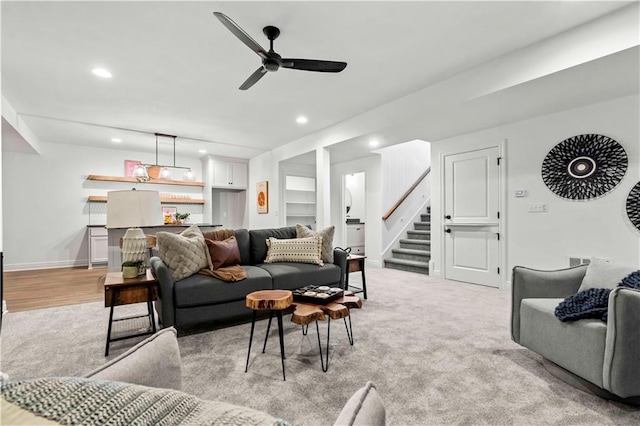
{"x":349,"y":330}
{"x":113,"y":305}
{"x":267,"y":335}
{"x":280,"y":333}
{"x":253,"y":324}
{"x":364,"y":281}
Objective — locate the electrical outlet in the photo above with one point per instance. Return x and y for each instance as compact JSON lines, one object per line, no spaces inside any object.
{"x":538,"y":208}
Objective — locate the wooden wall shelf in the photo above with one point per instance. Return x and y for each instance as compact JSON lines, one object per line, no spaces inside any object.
{"x":134,"y":180}
{"x":164,"y":200}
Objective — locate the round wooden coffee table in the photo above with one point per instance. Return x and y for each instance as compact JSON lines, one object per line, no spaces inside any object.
{"x":273,"y":301}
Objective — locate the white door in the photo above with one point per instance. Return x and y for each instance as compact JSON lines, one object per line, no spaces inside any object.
{"x":471,"y":222}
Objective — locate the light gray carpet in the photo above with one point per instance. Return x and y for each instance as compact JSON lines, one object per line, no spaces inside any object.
{"x":438,"y":351}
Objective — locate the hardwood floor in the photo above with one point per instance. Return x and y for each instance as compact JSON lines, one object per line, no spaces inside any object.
{"x":45,"y":288}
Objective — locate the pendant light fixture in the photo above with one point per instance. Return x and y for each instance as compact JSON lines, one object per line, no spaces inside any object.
{"x":146,"y":172}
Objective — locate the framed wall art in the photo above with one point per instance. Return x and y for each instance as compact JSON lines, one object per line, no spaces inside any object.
{"x":633,"y":206}
{"x":584,"y":167}
{"x":262,"y":196}
{"x":169,"y":214}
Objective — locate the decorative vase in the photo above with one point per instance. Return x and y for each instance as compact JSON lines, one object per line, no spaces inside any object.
{"x":129,"y":271}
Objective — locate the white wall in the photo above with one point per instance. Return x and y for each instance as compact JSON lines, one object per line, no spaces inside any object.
{"x":45,"y":200}
{"x":598,"y":227}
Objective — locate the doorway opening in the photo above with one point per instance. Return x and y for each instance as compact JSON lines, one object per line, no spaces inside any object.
{"x":355,"y":211}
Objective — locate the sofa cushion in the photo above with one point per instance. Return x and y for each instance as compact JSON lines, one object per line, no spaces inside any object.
{"x":603,"y":274}
{"x":577,"y":346}
{"x":244,"y":245}
{"x":301,"y":250}
{"x":365,"y":407}
{"x":198,"y":290}
{"x":184,"y":253}
{"x":289,"y":276}
{"x":153,"y":362}
{"x":327,"y":239}
{"x":223,"y":253}
{"x":258,"y":241}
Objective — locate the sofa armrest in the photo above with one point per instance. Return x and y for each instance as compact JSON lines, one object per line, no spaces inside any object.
{"x":529,"y":283}
{"x":153,"y":362}
{"x":340,"y":259}
{"x":164,"y":304}
{"x":621,"y":371}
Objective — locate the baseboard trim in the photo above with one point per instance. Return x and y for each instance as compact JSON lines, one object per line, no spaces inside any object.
{"x":584,"y":385}
{"x":45,"y":265}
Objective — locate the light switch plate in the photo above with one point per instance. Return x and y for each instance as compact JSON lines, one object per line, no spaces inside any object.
{"x":538,"y":208}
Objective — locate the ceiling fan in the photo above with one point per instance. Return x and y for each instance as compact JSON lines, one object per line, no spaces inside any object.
{"x":271,"y":61}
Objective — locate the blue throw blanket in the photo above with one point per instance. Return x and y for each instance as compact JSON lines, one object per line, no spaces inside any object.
{"x":592,"y":303}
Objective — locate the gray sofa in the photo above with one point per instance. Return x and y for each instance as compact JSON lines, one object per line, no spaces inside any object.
{"x":201,"y":299}
{"x":595,"y":356}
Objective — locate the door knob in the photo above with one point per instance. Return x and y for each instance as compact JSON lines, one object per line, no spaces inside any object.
{"x":448,"y":231}
{"x":448,"y":216}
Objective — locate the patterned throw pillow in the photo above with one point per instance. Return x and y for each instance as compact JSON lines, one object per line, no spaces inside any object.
{"x":185,"y":253}
{"x":302,"y":250}
{"x":327,"y":239}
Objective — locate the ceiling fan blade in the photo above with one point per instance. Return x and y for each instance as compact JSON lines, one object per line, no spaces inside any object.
{"x":241,"y":34}
{"x":253,"y":78}
{"x":313,"y":65}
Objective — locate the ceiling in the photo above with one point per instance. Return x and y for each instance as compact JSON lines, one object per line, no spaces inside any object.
{"x":176,"y":69}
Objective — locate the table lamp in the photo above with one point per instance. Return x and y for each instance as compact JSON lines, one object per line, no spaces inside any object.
{"x":133,"y":209}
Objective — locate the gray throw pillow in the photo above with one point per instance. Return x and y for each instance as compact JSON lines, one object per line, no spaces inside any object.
{"x":327,"y":239}
{"x":365,"y":407}
{"x":603,"y":274}
{"x":153,"y":362}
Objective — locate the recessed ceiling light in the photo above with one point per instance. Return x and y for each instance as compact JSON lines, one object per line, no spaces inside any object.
{"x":101,"y":72}
{"x":374,"y":143}
{"x":116,"y":140}
{"x":301,"y":119}
{"x":202,"y":151}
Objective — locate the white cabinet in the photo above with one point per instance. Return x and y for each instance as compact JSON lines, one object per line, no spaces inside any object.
{"x":230,"y":175}
{"x":98,"y":246}
{"x":300,"y":200}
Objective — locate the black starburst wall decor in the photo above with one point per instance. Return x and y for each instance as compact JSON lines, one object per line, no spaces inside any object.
{"x":633,"y":206}
{"x":584,"y":166}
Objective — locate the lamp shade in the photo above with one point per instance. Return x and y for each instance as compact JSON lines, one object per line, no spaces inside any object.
{"x":134,"y":208}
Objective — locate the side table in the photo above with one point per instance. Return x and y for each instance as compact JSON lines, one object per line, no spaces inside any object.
{"x":271,"y":300}
{"x":124,"y":291}
{"x":355,"y":263}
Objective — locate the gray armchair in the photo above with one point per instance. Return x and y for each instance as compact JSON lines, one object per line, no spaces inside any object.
{"x":597,"y":357}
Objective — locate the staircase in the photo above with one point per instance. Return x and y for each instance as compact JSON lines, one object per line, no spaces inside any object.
{"x":415,"y":250}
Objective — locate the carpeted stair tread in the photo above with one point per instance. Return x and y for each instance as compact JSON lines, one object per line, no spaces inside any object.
{"x":414,"y":241}
{"x":412,"y":251}
{"x":419,"y":235}
{"x":407,"y":265}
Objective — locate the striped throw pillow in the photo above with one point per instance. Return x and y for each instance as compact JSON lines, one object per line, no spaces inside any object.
{"x":302,"y":250}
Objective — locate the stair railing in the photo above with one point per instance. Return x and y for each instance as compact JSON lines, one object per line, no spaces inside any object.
{"x":406,"y":194}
